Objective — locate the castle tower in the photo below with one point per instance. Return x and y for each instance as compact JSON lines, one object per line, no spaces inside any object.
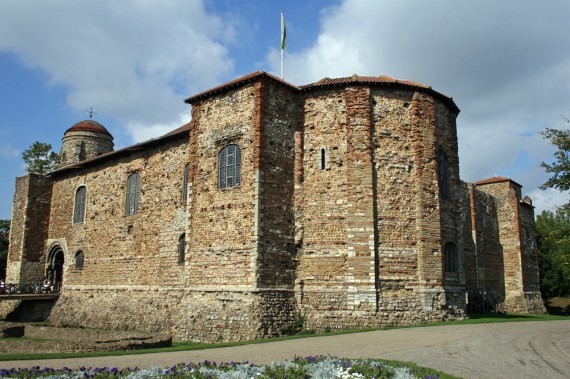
{"x":516,"y":251}
{"x":84,"y":140}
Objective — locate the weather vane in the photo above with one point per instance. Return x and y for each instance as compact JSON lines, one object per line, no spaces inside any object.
{"x":90,"y":112}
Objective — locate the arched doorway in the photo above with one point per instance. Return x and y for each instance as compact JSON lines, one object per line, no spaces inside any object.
{"x":54,"y":271}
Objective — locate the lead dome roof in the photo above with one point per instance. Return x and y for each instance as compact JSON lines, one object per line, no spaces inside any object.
{"x":89,"y":126}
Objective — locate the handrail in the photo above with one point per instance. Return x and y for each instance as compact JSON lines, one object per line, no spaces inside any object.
{"x":481,"y":300}
{"x":26,"y":288}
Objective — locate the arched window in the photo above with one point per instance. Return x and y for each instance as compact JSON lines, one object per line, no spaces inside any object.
{"x":133,"y":192}
{"x":79,"y":260}
{"x":185,"y":183}
{"x":229,"y":166}
{"x":450,"y":257}
{"x":181,"y":248}
{"x":79,"y":206}
{"x":443,"y":174}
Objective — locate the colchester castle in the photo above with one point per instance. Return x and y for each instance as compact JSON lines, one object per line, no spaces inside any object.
{"x":337,"y":202}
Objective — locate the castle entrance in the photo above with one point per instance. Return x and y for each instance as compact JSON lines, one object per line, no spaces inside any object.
{"x":55,"y":267}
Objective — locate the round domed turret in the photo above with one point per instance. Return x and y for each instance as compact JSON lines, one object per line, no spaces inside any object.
{"x":85,"y":140}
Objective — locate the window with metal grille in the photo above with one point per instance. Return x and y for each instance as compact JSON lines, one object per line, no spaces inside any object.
{"x":229,"y":166}
{"x":443,"y":174}
{"x":450,"y":257}
{"x":185,"y":183}
{"x":79,"y":206}
{"x":133,"y":193}
{"x":181,"y":248}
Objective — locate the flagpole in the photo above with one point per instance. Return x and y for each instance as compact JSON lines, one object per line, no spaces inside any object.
{"x":283,"y":36}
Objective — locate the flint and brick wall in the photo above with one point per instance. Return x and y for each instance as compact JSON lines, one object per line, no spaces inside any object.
{"x":222,"y":227}
{"x":28,"y":232}
{"x":131,"y":273}
{"x":242,"y":237}
{"x":369,"y":219}
{"x":275,"y":244}
{"x":339,"y":217}
{"x":502,"y":261}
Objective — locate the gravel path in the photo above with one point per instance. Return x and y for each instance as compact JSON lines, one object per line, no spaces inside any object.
{"x":534,"y":349}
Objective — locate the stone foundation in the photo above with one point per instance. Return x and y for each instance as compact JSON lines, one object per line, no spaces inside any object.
{"x":201,"y":316}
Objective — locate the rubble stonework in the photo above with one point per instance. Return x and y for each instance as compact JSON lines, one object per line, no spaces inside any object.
{"x":341,"y":217}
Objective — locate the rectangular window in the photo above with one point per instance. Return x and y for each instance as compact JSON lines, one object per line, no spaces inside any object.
{"x":229,"y":166}
{"x":79,"y":208}
{"x":133,"y":192}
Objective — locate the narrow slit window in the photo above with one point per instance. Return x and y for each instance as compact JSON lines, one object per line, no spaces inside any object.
{"x":323,"y":159}
{"x":443,"y":174}
{"x":185,"y":183}
{"x":182,"y":248}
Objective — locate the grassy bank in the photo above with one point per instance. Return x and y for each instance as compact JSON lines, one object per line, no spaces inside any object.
{"x":184,"y":345}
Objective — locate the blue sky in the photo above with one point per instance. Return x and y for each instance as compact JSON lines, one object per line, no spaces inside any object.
{"x":506,"y":64}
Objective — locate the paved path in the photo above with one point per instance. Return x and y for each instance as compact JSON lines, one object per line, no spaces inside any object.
{"x":535,"y":349}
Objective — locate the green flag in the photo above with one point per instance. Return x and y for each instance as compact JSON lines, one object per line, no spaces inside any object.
{"x":283,"y":32}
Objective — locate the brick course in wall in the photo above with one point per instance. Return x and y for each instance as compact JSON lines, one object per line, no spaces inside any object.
{"x":340,"y":217}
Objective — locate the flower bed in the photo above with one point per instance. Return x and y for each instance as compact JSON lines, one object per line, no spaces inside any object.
{"x":320,"y":367}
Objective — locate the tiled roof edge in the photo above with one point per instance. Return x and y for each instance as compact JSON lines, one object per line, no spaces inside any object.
{"x":380,"y":81}
{"x":237,"y":83}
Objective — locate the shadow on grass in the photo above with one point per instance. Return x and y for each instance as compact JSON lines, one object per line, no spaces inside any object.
{"x":498,"y":316}
{"x":558,"y":306}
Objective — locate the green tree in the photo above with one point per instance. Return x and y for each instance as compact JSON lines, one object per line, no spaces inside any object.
{"x":4,"y":238}
{"x":40,"y":159}
{"x":560,"y":167}
{"x":554,"y":252}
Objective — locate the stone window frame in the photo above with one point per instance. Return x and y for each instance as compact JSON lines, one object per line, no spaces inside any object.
{"x":450,"y":258}
{"x":79,"y":205}
{"x":79,"y":260}
{"x":225,"y":168}
{"x":443,"y":174}
{"x":182,"y":249}
{"x":132,"y":194}
{"x":186,"y":175}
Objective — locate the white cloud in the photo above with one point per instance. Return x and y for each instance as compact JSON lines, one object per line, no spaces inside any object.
{"x":505,"y":63}
{"x":144,"y":131}
{"x":135,"y":60}
{"x":8,"y":151}
{"x":548,"y":199}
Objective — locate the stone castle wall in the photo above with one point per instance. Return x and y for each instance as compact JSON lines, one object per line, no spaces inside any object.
{"x":127,"y":257}
{"x":28,"y":232}
{"x":502,"y":255}
{"x":341,"y":217}
{"x":242,"y":237}
{"x":484,"y":255}
{"x":367,"y":211}
{"x":138,"y":249}
{"x":221,"y":222}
